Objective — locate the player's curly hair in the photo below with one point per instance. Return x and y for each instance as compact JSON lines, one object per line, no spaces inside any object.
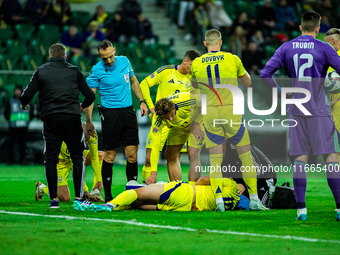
{"x":163,"y":106}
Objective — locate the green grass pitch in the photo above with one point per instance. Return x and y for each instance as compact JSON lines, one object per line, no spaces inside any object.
{"x":30,"y":227}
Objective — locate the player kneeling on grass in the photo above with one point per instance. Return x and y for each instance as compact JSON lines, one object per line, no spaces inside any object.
{"x":92,"y":157}
{"x":171,"y":196}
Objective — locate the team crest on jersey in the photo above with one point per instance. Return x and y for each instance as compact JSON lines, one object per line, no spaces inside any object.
{"x":126,"y":77}
{"x":155,"y":130}
{"x":152,"y":75}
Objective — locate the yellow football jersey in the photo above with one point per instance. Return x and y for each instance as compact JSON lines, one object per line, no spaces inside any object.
{"x":333,"y":97}
{"x":205,"y":198}
{"x":169,"y":81}
{"x":213,"y":68}
{"x":184,"y":104}
{"x":64,"y":154}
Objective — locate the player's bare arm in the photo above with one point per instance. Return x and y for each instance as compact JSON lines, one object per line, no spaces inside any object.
{"x":245,"y":80}
{"x":138,"y":92}
{"x":88,"y":115}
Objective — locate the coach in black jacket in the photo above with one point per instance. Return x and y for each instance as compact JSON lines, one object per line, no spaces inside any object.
{"x":59,"y":83}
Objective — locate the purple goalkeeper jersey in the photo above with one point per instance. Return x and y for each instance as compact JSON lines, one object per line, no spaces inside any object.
{"x":306,"y":61}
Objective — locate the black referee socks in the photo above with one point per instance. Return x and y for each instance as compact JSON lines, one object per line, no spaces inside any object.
{"x":107,"y":180}
{"x":131,"y":171}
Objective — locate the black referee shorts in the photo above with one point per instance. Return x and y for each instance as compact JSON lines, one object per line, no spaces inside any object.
{"x":119,"y":128}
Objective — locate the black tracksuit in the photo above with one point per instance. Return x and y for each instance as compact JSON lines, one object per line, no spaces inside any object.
{"x":59,"y":83}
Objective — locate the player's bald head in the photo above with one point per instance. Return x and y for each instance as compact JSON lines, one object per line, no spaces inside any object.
{"x":212,"y":37}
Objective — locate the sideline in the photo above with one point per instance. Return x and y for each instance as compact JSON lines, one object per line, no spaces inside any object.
{"x":141,"y":224}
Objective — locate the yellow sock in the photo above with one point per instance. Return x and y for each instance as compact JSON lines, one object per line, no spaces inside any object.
{"x":94,"y":176}
{"x":45,"y":189}
{"x":85,"y":187}
{"x":125,"y":198}
{"x":122,"y":208}
{"x":154,"y":157}
{"x":216,"y":179}
{"x":146,"y":173}
{"x":249,"y":172}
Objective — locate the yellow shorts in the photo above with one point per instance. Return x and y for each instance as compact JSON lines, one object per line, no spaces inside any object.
{"x":177,"y":196}
{"x":178,"y":135}
{"x":233,"y":131}
{"x":63,"y":168}
{"x":198,"y":144}
{"x":152,"y":143}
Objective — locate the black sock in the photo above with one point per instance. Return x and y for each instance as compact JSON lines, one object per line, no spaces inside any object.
{"x":131,"y":171}
{"x":107,"y":180}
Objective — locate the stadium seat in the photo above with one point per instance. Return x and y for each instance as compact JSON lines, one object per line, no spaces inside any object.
{"x":269,"y":51}
{"x":38,"y":47}
{"x":81,"y":18}
{"x":229,"y":8}
{"x":150,"y":64}
{"x":31,"y":62}
{"x":15,"y":47}
{"x":22,"y":80}
{"x":9,"y":62}
{"x":83,"y":63}
{"x":246,"y":6}
{"x":8,"y":90}
{"x":6,"y":34}
{"x":24,"y":31}
{"x":49,"y":33}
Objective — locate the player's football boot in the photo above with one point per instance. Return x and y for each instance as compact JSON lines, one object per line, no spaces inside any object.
{"x":96,"y":196}
{"x":220,"y":207}
{"x":54,"y":204}
{"x":301,"y":217}
{"x":108,"y":207}
{"x":81,"y":204}
{"x":338,"y":216}
{"x":256,"y":205}
{"x":38,"y":193}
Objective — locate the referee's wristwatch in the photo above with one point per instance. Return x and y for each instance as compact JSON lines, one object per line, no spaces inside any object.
{"x":142,"y":101}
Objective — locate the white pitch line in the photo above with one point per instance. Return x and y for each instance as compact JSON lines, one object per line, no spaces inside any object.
{"x":141,"y":224}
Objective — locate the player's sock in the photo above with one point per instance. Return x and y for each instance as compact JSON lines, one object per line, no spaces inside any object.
{"x":131,"y":171}
{"x":333,"y":179}
{"x":300,"y":183}
{"x":94,"y":176}
{"x":216,"y":179}
{"x":85,"y":187}
{"x":44,"y":188}
{"x":302,"y":211}
{"x":146,"y":173}
{"x":249,"y":176}
{"x":125,"y":198}
{"x":107,"y":179}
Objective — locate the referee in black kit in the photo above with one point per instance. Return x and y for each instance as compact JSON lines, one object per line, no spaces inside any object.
{"x":59,"y":83}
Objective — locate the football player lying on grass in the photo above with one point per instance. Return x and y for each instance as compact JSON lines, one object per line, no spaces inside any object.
{"x":92,"y":157}
{"x":170,"y":196}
